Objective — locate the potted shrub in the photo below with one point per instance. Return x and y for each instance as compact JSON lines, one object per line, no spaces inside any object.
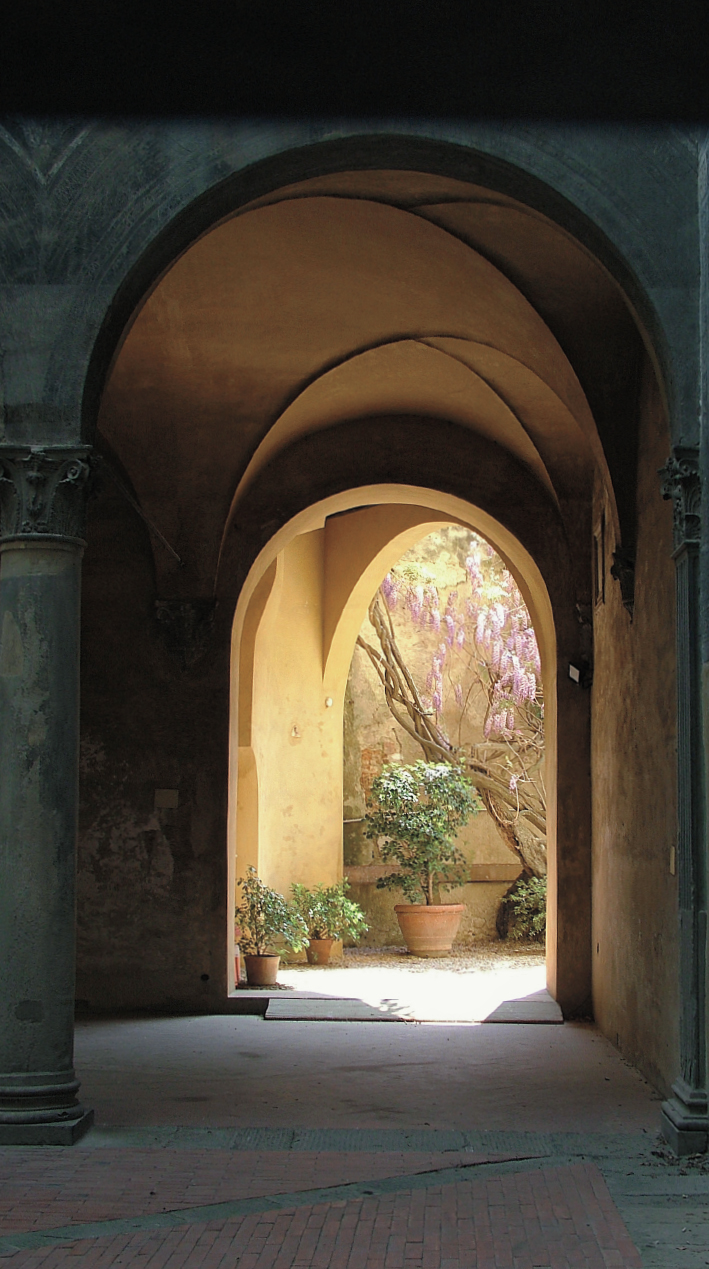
{"x":328,"y":915}
{"x":414,"y":813}
{"x":267,"y":921}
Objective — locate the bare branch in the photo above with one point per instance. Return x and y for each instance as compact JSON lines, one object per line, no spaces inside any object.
{"x":404,"y":702}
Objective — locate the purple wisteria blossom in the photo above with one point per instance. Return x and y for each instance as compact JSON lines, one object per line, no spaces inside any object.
{"x":476,"y":649}
{"x":485,"y":628}
{"x":390,"y":590}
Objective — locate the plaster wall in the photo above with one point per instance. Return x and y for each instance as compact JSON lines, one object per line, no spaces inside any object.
{"x":635,"y":949}
{"x":295,"y":736}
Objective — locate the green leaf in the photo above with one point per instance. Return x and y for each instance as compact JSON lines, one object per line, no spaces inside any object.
{"x":414,"y":813}
{"x":267,"y":919}
{"x":327,"y":912}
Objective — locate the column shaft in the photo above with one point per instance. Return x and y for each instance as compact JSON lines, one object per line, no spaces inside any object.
{"x":686,"y":1113}
{"x":40,"y":587}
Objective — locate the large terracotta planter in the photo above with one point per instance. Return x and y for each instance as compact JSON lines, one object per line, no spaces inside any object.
{"x":261,"y":971}
{"x":429,"y":928}
{"x":318,"y":951}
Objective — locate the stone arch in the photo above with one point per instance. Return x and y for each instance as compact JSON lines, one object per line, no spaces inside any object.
{"x":329,"y":337}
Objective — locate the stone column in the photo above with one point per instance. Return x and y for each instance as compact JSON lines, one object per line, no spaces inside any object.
{"x":685,"y":1116}
{"x":42,"y":513}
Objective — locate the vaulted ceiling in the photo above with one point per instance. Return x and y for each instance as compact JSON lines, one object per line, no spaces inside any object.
{"x":371,"y":295}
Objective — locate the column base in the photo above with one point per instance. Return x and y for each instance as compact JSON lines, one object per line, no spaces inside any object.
{"x":60,"y":1132}
{"x":685,"y":1120}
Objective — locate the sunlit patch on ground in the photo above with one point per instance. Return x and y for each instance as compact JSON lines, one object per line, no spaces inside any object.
{"x":463,"y":987}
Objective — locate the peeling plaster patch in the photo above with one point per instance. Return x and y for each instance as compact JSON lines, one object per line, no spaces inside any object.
{"x":125,"y":852}
{"x":37,"y":730}
{"x":166,"y":799}
{"x":29,"y":1011}
{"x":11,"y":655}
{"x":139,"y":873}
{"x":92,"y":756}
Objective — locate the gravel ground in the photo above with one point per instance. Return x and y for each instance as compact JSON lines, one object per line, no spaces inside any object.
{"x":496,"y":955}
{"x":484,"y":958}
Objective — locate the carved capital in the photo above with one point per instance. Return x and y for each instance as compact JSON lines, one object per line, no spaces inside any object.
{"x":43,"y":492}
{"x":623,"y":570}
{"x":681,"y":482}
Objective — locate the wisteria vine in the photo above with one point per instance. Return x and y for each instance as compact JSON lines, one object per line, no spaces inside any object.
{"x":485,"y":661}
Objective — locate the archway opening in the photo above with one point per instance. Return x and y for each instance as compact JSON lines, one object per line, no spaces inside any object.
{"x":446,"y":669}
{"x":293,"y":649}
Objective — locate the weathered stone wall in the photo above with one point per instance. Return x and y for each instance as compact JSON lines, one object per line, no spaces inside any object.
{"x":635,"y":957}
{"x":151,"y":878}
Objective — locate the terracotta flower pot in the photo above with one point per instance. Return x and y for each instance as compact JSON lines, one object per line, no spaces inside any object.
{"x":261,"y":971}
{"x":429,"y":928}
{"x":318,"y":951}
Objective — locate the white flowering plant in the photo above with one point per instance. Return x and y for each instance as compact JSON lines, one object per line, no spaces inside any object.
{"x":267,"y":920}
{"x":328,"y":912}
{"x":414,"y":813}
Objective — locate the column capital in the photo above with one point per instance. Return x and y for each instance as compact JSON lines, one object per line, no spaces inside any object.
{"x":43,"y":491}
{"x":681,"y":481}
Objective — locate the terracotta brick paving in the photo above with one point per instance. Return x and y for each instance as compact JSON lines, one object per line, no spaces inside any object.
{"x":560,"y":1217}
{"x":44,"y":1189}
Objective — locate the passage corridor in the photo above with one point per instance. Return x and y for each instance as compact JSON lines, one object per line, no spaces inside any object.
{"x":234,"y":1141}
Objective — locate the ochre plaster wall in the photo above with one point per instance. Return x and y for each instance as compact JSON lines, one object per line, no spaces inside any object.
{"x":635,"y":963}
{"x":294,"y":654}
{"x":295,"y":736}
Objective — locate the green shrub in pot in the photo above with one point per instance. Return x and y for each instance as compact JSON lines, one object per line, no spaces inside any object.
{"x":327,"y":912}
{"x":267,"y":920}
{"x":414,"y":813}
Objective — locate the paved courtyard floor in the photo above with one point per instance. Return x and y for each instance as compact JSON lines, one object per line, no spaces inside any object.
{"x":237,"y":1141}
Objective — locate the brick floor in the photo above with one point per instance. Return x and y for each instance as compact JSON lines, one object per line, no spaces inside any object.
{"x":43,"y":1189}
{"x":560,"y":1217}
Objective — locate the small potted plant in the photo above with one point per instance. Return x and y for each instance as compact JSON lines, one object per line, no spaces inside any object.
{"x":414,"y":813}
{"x":328,"y":915}
{"x":267,"y":920}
